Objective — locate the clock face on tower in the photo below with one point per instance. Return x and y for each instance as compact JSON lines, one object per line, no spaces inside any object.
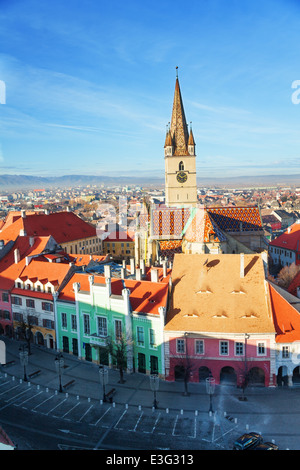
{"x":181,"y":177}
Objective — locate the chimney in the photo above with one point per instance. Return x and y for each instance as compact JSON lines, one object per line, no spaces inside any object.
{"x":27,"y":260}
{"x":142,"y":266}
{"x":107,"y":271}
{"x":17,"y":255}
{"x":242,"y":265}
{"x":138,"y":274}
{"x":132,"y":265}
{"x":108,"y":285}
{"x":23,"y":214}
{"x":165,"y":268}
{"x":264,"y":256}
{"x":1,"y":244}
{"x":154,"y":275}
{"x":47,"y":212}
{"x":31,"y":241}
{"x":124,"y":263}
{"x":126,"y":298}
{"x":123,"y":273}
{"x":76,"y":286}
{"x":23,"y":233}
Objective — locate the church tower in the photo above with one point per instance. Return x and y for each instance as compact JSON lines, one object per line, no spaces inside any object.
{"x":180,"y":158}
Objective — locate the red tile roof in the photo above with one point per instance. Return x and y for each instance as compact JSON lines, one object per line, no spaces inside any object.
{"x":233,"y":219}
{"x":145,"y":296}
{"x":32,"y":293}
{"x":53,"y":272}
{"x":286,"y":318}
{"x":120,"y":237}
{"x":63,"y":226}
{"x":9,"y":270}
{"x":290,"y":239}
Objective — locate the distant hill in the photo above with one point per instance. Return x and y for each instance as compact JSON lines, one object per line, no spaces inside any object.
{"x":18,"y":182}
{"x":30,"y":182}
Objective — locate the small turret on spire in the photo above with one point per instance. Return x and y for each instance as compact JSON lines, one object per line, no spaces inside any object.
{"x":191,"y":142}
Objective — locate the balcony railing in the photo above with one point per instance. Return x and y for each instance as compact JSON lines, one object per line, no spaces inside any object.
{"x":98,"y":340}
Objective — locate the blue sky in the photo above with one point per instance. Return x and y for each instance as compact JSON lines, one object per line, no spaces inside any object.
{"x":89,"y":85}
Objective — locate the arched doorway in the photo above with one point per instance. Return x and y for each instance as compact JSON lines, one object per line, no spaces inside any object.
{"x":282,"y":376}
{"x":204,"y":372}
{"x":39,"y":339}
{"x":296,"y":376}
{"x":256,"y":377}
{"x":50,"y":341}
{"x":228,"y":376}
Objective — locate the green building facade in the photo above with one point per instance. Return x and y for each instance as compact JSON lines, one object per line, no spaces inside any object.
{"x":92,"y":312}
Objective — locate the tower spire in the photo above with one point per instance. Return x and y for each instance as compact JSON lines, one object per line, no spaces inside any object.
{"x":179,"y":129}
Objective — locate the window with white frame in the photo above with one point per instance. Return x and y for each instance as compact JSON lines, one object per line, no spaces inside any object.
{"x":16,"y":300}
{"x":118,"y":329}
{"x":73,"y":322}
{"x":180,"y":346}
{"x":64,"y":323}
{"x":30,"y":303}
{"x":140,"y":335}
{"x":199,"y":346}
{"x":239,"y":348}
{"x":47,"y":306}
{"x":86,"y":324}
{"x":102,"y":326}
{"x":152,"y":338}
{"x":261,"y":349}
{"x":224,"y":348}
{"x":285,"y":352}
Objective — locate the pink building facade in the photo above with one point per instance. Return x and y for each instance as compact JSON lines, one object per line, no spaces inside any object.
{"x":227,"y":359}
{"x":219,"y":322}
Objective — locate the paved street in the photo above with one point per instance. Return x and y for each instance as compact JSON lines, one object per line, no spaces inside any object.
{"x":78,"y":418}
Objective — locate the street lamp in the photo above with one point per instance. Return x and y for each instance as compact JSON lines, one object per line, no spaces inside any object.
{"x":247,"y":336}
{"x":24,"y":360}
{"x":210,"y":389}
{"x":103,"y":379}
{"x":154,"y":384}
{"x":59,"y":365}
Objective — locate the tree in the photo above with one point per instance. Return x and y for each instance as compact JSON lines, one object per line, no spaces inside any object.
{"x":27,"y":323}
{"x":117,"y":348}
{"x":287,"y":274}
{"x":185,"y":366}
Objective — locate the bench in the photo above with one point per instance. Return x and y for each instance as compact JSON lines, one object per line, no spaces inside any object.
{"x":111,"y":394}
{"x":33,"y":374}
{"x":10,"y":363}
{"x":69,"y":383}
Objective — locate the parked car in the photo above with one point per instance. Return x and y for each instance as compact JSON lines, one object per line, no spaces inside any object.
{"x":248,"y":441}
{"x":266,"y":446}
